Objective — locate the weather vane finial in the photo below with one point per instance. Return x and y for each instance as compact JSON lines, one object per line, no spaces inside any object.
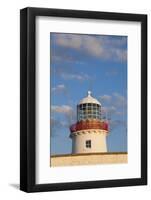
{"x":89,"y":93}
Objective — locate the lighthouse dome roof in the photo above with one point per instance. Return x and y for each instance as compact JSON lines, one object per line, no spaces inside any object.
{"x":89,"y":99}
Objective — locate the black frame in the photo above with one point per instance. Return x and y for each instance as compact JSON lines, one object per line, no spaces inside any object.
{"x":27,"y":99}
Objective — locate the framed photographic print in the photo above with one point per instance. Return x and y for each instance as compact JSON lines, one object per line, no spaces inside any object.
{"x":83,"y":99}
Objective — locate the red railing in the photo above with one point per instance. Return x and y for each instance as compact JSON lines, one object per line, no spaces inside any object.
{"x":89,"y":124}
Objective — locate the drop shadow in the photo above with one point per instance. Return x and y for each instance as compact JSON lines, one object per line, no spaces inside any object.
{"x":15,"y":185}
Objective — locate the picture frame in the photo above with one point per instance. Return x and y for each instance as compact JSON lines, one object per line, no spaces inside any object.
{"x":28,"y":98}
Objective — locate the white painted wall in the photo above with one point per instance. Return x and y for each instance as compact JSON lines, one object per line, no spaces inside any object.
{"x":9,"y":99}
{"x":97,"y":138}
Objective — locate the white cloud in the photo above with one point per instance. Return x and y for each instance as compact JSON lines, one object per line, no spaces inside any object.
{"x":69,"y":40}
{"x":112,"y":72}
{"x":57,"y":124}
{"x":119,"y":100}
{"x":70,"y":76}
{"x":84,"y":42}
{"x":120,"y":54}
{"x":114,"y":41}
{"x":66,"y":111}
{"x":116,"y":100}
{"x":114,"y":107}
{"x":108,"y":111}
{"x":59,"y":88}
{"x":106,"y":98}
{"x":93,"y":46}
{"x":102,"y":47}
{"x":61,"y":109}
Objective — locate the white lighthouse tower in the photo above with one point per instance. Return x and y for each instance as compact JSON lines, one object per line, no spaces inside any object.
{"x":89,"y":133}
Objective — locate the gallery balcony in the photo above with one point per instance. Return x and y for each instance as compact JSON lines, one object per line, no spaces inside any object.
{"x":89,"y":124}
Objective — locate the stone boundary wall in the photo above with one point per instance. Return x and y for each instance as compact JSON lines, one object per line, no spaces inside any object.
{"x":88,"y":159}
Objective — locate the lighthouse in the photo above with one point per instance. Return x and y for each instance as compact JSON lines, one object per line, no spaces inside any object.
{"x":89,"y":133}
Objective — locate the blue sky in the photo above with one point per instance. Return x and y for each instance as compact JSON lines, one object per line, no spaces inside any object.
{"x":79,"y":63}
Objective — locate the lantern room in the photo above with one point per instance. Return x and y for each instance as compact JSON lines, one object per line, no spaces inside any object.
{"x":88,"y":108}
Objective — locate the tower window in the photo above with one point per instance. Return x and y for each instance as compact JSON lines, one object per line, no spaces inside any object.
{"x":88,"y":143}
